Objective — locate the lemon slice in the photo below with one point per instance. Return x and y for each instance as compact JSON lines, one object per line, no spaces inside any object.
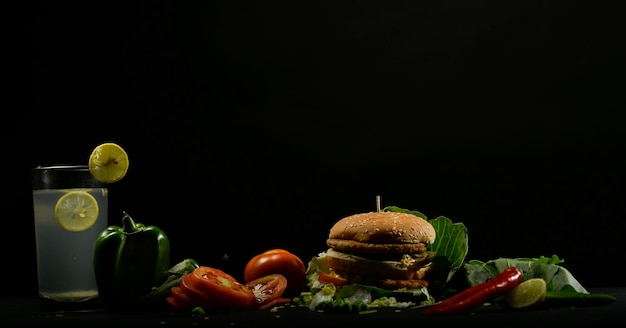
{"x":76,"y":211}
{"x":108,"y":162}
{"x":528,"y":294}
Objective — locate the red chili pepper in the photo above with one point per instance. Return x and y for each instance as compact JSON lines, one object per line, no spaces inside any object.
{"x":478,"y":294}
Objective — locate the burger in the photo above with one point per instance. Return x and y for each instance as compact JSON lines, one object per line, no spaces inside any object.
{"x":384,"y":249}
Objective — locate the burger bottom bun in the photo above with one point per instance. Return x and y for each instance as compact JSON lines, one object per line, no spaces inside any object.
{"x":386,"y":274}
{"x":357,"y":247}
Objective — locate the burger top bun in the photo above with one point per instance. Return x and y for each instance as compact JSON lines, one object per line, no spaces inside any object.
{"x":381,"y":232}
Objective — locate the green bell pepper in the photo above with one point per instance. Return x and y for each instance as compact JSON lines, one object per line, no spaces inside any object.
{"x":129,"y":262}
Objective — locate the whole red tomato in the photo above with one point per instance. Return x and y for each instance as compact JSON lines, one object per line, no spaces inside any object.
{"x":278,"y":261}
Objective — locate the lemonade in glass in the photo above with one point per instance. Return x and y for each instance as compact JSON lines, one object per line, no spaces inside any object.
{"x":70,"y":210}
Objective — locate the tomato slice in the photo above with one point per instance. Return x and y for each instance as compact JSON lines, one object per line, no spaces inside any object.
{"x":268,"y":290}
{"x":173,"y":302}
{"x":221,"y":289}
{"x":179,"y":300}
{"x":332,"y":278}
{"x":196,"y":297}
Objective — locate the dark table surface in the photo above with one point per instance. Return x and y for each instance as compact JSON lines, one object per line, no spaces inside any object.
{"x":26,"y":312}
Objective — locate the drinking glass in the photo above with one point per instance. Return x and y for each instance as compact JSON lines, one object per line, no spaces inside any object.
{"x":70,"y":209}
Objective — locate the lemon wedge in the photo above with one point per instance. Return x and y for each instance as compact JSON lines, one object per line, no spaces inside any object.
{"x":528,"y":294}
{"x":108,"y":162}
{"x":76,"y":211}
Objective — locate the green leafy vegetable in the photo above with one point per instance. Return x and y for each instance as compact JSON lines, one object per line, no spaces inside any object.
{"x":451,"y":242}
{"x":556,"y":276}
{"x":451,"y":245}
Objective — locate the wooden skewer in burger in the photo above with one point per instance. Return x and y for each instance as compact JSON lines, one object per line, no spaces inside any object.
{"x":384,"y":249}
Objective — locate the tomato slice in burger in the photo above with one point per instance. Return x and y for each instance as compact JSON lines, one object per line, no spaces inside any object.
{"x":332,"y":278}
{"x":221,"y":289}
{"x":268,"y":290}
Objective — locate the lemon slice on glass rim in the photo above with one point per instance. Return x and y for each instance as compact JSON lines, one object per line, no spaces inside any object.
{"x":108,"y":162}
{"x":76,"y":211}
{"x":528,"y":294}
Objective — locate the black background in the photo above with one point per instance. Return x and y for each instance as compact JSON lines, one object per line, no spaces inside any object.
{"x":256,"y":125}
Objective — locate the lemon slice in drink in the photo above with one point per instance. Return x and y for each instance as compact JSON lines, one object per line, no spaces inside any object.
{"x":108,"y":162}
{"x":528,"y":294}
{"x":76,"y":211}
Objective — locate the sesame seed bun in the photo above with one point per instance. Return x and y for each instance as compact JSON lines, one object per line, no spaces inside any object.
{"x":381,"y":233}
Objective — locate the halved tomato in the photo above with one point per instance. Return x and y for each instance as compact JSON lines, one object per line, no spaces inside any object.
{"x":278,"y":261}
{"x":224,"y":291}
{"x":332,"y":278}
{"x":269,"y":290}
